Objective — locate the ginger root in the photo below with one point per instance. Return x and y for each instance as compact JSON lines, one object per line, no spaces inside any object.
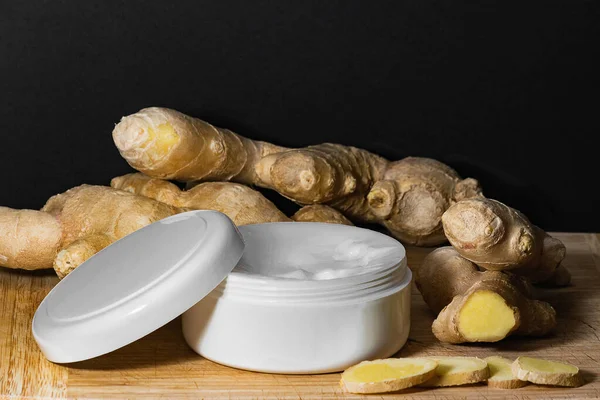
{"x":29,"y":239}
{"x":242,"y":204}
{"x":476,"y":306}
{"x":497,"y":237}
{"x":407,"y":196}
{"x":74,"y":254}
{"x":75,"y":225}
{"x":389,"y":375}
{"x":320,"y":213}
{"x":239,"y":202}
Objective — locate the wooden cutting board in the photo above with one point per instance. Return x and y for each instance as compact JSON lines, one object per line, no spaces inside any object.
{"x":161,"y":364}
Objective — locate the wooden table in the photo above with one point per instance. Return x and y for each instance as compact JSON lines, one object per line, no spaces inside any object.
{"x":162,"y":365}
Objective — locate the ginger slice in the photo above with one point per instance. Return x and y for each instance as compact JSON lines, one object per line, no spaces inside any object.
{"x":453,"y":371}
{"x":545,"y":372}
{"x":387,"y":375}
{"x":501,"y":376}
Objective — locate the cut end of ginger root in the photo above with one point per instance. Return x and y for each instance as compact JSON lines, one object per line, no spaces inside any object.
{"x":486,"y":317}
{"x":453,"y":371}
{"x":545,"y":372}
{"x":389,"y":375}
{"x":501,"y":376}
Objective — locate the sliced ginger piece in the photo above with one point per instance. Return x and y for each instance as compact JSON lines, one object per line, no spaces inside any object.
{"x":387,"y":375}
{"x":453,"y":371}
{"x":501,"y":376}
{"x":545,"y":372}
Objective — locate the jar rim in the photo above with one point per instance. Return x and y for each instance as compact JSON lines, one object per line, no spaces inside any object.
{"x":362,"y":287}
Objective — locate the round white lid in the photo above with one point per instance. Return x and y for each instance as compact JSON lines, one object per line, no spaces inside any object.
{"x":136,"y":285}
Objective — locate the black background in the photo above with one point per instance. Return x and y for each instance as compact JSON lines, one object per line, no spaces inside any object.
{"x":506,"y":93}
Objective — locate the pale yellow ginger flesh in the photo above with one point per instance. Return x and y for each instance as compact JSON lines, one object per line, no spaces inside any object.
{"x":501,"y":376}
{"x":497,"y":237}
{"x":454,"y":371}
{"x":407,"y":196}
{"x":394,"y":374}
{"x":161,"y":140}
{"x":545,"y":372}
{"x":485,"y":316}
{"x":478,"y":306}
{"x":388,"y":375}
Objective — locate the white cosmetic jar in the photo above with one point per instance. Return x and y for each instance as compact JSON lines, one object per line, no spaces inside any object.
{"x":306,"y":298}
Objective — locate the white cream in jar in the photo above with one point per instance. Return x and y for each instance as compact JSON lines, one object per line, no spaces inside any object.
{"x":317,"y":258}
{"x":306,"y":298}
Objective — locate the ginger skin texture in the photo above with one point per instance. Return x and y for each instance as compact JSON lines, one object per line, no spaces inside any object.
{"x":497,"y":237}
{"x":239,"y":202}
{"x":320,"y":213}
{"x":72,"y":226}
{"x":407,"y":196}
{"x":75,"y":225}
{"x":242,"y":204}
{"x":478,"y":306}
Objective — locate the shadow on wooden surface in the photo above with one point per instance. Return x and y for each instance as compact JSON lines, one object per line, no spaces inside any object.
{"x":165,"y":346}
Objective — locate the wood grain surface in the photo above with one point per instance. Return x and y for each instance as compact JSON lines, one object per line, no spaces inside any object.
{"x":161,"y":364}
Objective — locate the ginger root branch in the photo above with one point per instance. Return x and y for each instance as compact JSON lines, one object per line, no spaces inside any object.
{"x":476,"y":306}
{"x":407,"y":196}
{"x":497,"y":237}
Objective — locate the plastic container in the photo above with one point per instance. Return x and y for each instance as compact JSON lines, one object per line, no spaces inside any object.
{"x":281,"y":297}
{"x":263,"y":323}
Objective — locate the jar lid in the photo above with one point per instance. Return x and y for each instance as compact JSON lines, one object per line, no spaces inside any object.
{"x":136,"y":285}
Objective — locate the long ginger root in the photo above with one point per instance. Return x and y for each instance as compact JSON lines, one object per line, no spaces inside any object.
{"x":407,"y":196}
{"x":497,"y":237}
{"x":239,"y":202}
{"x":73,"y":225}
{"x":476,"y":306}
